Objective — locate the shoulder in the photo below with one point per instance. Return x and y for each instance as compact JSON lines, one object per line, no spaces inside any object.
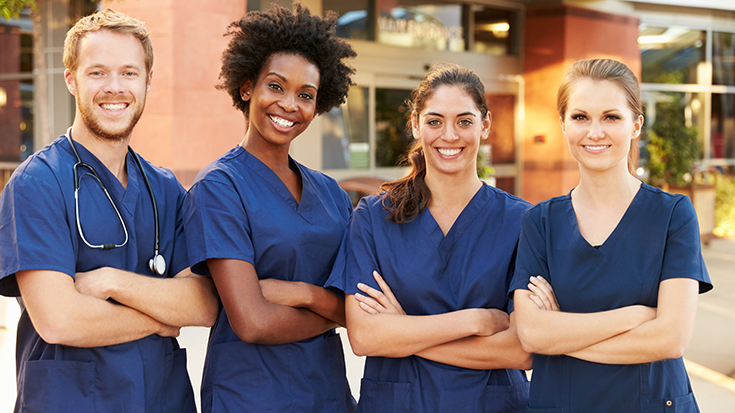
{"x":51,"y":165}
{"x":661,"y":199}
{"x":509,"y":201}
{"x":160,"y":176}
{"x":318,"y":178}
{"x":545,"y":208}
{"x":222,"y":169}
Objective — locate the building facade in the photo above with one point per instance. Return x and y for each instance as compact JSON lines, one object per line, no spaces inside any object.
{"x":682,"y":50}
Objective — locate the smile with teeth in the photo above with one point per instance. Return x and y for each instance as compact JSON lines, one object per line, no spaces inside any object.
{"x":449,"y":151}
{"x":282,"y":122}
{"x":114,"y":106}
{"x":596,"y":147}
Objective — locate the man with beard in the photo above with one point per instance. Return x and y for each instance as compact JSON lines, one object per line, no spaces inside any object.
{"x":92,"y":243}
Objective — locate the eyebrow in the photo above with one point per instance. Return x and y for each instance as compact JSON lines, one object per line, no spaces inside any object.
{"x":283,"y":78}
{"x":459,"y":115}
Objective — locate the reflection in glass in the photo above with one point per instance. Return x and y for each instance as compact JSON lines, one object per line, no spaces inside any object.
{"x":393,"y":139}
{"x":723,"y":58}
{"x":422,"y":24}
{"x":671,"y":54}
{"x":722,"y":138}
{"x":345,"y":133}
{"x":688,"y":106}
{"x":16,"y":120}
{"x":354,"y":18}
{"x":495,"y":30}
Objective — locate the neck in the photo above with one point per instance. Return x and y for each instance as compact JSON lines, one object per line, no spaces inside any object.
{"x":607,"y":187}
{"x":112,"y":154}
{"x":274,"y":157}
{"x":452,"y":190}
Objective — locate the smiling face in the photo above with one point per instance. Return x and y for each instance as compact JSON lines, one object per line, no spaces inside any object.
{"x":450,"y":127}
{"x":282,"y":101}
{"x":599,"y":125}
{"x":110,"y":83}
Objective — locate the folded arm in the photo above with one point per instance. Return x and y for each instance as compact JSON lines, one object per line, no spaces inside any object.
{"x":304,"y":295}
{"x":663,"y":337}
{"x":253,"y":318}
{"x":62,"y":315}
{"x":184,"y":300}
{"x":545,"y":331}
{"x":378,"y":326}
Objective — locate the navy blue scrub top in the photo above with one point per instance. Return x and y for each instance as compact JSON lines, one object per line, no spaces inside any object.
{"x":430,"y":273}
{"x":656,"y":239}
{"x":38,"y":232}
{"x":239,"y":209}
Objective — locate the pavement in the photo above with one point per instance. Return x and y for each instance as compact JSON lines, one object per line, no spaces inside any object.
{"x":710,"y":356}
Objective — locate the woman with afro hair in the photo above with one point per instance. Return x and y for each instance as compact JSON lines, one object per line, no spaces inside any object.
{"x":267,"y":229}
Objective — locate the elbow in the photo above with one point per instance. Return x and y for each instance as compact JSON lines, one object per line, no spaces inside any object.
{"x":530,"y":342}
{"x":524,"y":361}
{"x":209,"y":315}
{"x":674,"y":348}
{"x":56,"y":331}
{"x":253,"y":331}
{"x":359,"y":346}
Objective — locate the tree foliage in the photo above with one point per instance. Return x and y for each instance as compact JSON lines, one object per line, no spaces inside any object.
{"x":10,"y":9}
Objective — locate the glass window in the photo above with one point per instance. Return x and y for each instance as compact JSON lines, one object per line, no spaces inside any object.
{"x":665,"y":110}
{"x":354,"y":18}
{"x":422,"y":24}
{"x":345,"y":141}
{"x":671,"y":54}
{"x":16,"y":89}
{"x":393,"y":140}
{"x":723,"y":58}
{"x":722,"y":136}
{"x":495,"y":31}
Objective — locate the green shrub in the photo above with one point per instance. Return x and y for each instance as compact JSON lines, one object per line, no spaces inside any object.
{"x":725,"y":207}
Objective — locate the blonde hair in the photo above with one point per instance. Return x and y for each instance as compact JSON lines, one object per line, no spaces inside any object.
{"x":107,"y":19}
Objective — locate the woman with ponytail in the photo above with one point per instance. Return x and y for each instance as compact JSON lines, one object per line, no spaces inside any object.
{"x":425,"y":265}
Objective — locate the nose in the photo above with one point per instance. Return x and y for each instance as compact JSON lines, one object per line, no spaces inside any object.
{"x":114,"y":85}
{"x":450,"y":134}
{"x":596,"y":130}
{"x":288,"y":103}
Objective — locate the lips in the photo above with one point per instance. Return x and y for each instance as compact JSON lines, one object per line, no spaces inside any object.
{"x":114,"y":106}
{"x":284,"y":123}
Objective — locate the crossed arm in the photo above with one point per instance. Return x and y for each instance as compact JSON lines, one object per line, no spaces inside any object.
{"x":273,"y":311}
{"x":475,"y":338}
{"x":627,"y":335}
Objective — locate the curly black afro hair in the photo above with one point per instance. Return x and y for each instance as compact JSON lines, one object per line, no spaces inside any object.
{"x":259,"y":35}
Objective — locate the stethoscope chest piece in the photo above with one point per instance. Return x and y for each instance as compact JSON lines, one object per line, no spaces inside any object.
{"x":158,"y":264}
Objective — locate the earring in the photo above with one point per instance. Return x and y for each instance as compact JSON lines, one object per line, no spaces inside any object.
{"x":242,"y":95}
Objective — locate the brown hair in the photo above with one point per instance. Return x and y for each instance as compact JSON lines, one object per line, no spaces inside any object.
{"x":110,"y":20}
{"x":405,"y":198}
{"x":604,"y":69}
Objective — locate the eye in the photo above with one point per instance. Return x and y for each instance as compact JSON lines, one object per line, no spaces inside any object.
{"x":307,"y":96}
{"x":95,"y":73}
{"x":612,"y":117}
{"x":465,"y":122}
{"x":275,"y":86}
{"x":130,"y":74}
{"x":578,"y":116}
{"x":433,"y":122}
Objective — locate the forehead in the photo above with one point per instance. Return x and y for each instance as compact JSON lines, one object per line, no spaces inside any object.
{"x":450,"y":99}
{"x":589,"y":92}
{"x":108,"y":48}
{"x":294,"y":68}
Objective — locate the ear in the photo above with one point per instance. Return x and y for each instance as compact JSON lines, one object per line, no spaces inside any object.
{"x":415,"y":125}
{"x":245,"y":90}
{"x":486,"y":125}
{"x":638,"y":127}
{"x":150,"y":79}
{"x":70,"y":83}
{"x":561,"y":123}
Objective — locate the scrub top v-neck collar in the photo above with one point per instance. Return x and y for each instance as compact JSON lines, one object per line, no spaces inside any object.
{"x":445,"y":243}
{"x":128,"y":197}
{"x":303,"y":208}
{"x":615,"y":235}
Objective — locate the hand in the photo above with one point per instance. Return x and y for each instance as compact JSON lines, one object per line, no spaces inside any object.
{"x":95,"y":283}
{"x":169,"y":331}
{"x":542,"y":294}
{"x":491,"y":321}
{"x":281,"y":292}
{"x":376,"y":301}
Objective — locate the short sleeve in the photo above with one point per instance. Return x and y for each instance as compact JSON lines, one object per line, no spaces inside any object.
{"x":531,"y":256}
{"x":357,"y":255}
{"x":216,"y":225}
{"x":683,"y":252}
{"x":34,"y":231}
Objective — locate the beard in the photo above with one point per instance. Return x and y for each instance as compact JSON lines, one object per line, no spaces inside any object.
{"x":93,"y":123}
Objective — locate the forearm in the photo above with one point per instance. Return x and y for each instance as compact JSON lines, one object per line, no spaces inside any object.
{"x":394,"y":335}
{"x":279,"y":324}
{"x":305,"y":295}
{"x":185,"y":300}
{"x":502,"y":350}
{"x":558,"y":332}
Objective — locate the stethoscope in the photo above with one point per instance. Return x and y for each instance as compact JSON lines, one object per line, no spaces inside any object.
{"x":157,"y":264}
